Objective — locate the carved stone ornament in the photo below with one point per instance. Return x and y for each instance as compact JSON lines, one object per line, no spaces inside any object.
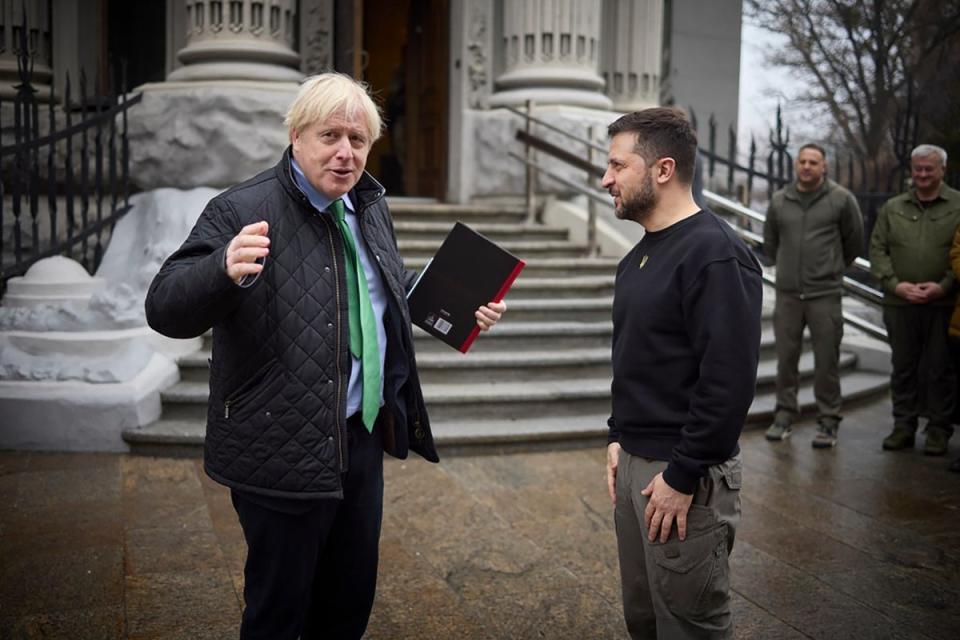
{"x":477,"y":59}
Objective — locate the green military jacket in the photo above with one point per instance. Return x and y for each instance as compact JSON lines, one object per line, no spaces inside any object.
{"x":812,"y":246}
{"x":911,"y":243}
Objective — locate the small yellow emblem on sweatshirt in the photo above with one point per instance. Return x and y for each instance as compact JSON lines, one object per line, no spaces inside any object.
{"x":643,"y":261}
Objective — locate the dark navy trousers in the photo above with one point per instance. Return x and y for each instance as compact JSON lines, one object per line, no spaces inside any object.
{"x":311,"y":569}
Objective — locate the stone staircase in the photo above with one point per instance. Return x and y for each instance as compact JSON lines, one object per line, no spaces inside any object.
{"x":542,"y":375}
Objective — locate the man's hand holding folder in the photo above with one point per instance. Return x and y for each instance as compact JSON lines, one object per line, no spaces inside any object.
{"x":489,"y":314}
{"x":460,"y":291}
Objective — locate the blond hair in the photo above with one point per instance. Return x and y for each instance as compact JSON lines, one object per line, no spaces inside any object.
{"x":327,"y":94}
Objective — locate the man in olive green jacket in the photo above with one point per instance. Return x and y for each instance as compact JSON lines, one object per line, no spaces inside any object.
{"x":909,"y":253}
{"x":813,"y":230}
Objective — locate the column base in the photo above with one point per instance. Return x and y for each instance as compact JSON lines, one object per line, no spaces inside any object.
{"x":253,"y":71}
{"x":551,"y":96}
{"x":81,"y":416}
{"x":627,"y":105}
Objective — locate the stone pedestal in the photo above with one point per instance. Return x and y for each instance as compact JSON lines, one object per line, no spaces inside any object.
{"x":218,"y":119}
{"x":216,"y":134}
{"x":551,"y":54}
{"x":65,"y":385}
{"x":78,"y":364}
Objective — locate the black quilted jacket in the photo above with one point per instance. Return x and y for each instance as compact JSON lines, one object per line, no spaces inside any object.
{"x":276,"y":419}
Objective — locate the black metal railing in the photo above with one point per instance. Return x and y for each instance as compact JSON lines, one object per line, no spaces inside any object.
{"x":740,"y":217}
{"x":62,"y":192}
{"x":737,"y":179}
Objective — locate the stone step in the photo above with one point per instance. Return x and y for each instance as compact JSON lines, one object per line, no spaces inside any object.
{"x":444,"y":366}
{"x":496,"y":400}
{"x":528,"y":336}
{"x":176,"y":434}
{"x":856,"y":385}
{"x":188,"y":400}
{"x":548,"y":309}
{"x":767,"y":369}
{"x":534,"y":288}
{"x":519,"y":383}
{"x":549,"y":267}
{"x":570,"y":311}
{"x":471,"y":214}
{"x":495,"y":231}
{"x":550,"y":335}
{"x":498,"y":425}
{"x":518,"y":367}
{"x":572,"y":365}
{"x":523,"y":249}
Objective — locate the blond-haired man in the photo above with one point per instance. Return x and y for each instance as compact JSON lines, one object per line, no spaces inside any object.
{"x":313,"y":373}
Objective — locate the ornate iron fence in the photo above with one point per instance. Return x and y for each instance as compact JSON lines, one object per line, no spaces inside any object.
{"x":61,"y":193}
{"x":872,"y":185}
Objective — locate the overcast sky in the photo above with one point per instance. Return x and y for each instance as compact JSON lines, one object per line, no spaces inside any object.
{"x":761,"y":86}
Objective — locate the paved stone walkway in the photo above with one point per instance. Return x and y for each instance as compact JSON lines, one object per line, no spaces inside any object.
{"x":850,"y":543}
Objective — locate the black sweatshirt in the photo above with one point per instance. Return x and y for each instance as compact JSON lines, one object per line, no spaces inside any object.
{"x":686,"y":342}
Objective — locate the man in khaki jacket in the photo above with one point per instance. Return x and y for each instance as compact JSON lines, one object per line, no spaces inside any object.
{"x":813,"y":230}
{"x":909,"y":254}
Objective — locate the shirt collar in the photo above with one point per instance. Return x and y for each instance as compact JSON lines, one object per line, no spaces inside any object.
{"x":317,"y":199}
{"x":916,"y":199}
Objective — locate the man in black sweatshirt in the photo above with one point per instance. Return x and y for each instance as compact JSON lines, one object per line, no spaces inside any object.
{"x":686,"y":339}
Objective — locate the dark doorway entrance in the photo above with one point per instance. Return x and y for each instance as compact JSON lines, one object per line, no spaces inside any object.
{"x":136,"y":33}
{"x":406,"y":64}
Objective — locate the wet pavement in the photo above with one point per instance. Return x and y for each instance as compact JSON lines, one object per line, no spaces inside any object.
{"x":846,"y":543}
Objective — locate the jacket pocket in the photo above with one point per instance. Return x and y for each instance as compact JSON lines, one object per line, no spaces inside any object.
{"x":265,"y":383}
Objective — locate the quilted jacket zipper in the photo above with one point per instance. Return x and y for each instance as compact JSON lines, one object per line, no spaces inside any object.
{"x":417,"y":426}
{"x":336,"y":279}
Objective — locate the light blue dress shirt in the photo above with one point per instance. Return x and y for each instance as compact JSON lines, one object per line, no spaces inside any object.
{"x":378,"y":296}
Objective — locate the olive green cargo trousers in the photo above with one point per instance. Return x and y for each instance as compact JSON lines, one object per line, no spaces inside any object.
{"x":677,"y":590}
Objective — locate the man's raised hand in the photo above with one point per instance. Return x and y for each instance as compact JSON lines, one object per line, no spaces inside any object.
{"x":248,"y":246}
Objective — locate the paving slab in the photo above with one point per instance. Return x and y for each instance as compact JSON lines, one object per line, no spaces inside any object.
{"x":847,"y":543}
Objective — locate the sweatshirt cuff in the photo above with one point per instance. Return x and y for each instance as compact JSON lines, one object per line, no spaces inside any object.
{"x":613,"y":435}
{"x":680,"y":480}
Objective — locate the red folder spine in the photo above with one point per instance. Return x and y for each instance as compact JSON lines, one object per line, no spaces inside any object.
{"x":497,"y":298}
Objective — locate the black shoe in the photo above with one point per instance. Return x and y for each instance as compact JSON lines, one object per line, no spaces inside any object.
{"x":936,"y":444}
{"x":900,"y":438}
{"x":955,"y":466}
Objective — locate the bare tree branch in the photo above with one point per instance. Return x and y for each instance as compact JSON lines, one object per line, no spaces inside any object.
{"x":863,"y":58}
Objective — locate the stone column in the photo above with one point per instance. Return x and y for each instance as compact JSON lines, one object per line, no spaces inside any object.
{"x":38,"y":46}
{"x":550,"y":52}
{"x":631,"y":52}
{"x":239,"y":40}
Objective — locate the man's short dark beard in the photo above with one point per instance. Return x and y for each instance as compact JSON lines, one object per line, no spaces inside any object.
{"x":641,"y":206}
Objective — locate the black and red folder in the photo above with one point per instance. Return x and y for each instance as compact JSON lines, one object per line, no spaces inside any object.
{"x":468,"y":270}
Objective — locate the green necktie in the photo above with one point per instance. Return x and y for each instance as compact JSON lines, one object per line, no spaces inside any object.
{"x":363,"y":328}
